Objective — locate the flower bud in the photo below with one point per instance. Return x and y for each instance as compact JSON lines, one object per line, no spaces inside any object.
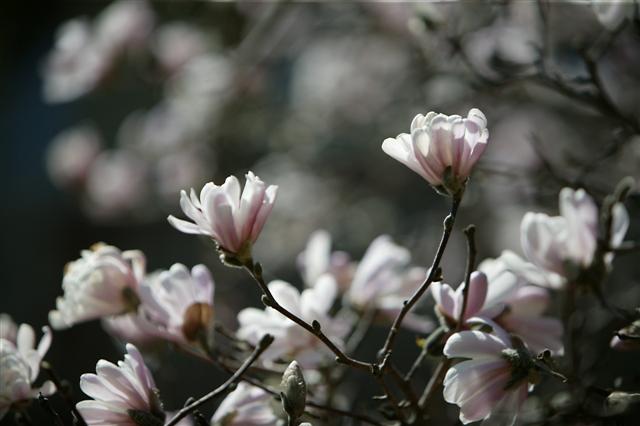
{"x":294,"y":391}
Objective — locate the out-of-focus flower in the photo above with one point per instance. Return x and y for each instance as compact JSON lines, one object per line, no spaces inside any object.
{"x":563,"y":244}
{"x":8,"y":328}
{"x":71,"y":155}
{"x":383,"y":280}
{"x":177,"y":304}
{"x":176,"y":43}
{"x":20,"y":366}
{"x":493,"y":381}
{"x":291,"y":340}
{"x":233,"y":219}
{"x":317,"y":259}
{"x":125,"y":24}
{"x":116,"y":183}
{"x":121,"y":393}
{"x":75,"y":66}
{"x":612,"y":13}
{"x":442,"y":149}
{"x":102,"y":282}
{"x":518,"y":307}
{"x":128,"y":328}
{"x":246,"y":405}
{"x":449,"y":302}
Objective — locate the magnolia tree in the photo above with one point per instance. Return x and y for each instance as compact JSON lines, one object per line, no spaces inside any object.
{"x":493,"y":348}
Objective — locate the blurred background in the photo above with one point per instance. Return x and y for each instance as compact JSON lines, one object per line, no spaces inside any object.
{"x":109,"y":109}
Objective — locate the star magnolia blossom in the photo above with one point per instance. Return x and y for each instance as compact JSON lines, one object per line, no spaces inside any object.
{"x":493,"y":381}
{"x":246,"y":405}
{"x":20,"y":366}
{"x":101,"y":283}
{"x":559,"y":244}
{"x":232,"y":218}
{"x":120,"y":392}
{"x":383,"y":280}
{"x":177,"y":304}
{"x":442,"y":149}
{"x":8,"y":328}
{"x":501,"y":296}
{"x":292,"y":340}
{"x":317,"y":259}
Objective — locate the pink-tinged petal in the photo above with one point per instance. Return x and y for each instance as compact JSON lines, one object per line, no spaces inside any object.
{"x":423,"y":149}
{"x":530,"y":272}
{"x":220,"y":213}
{"x":250,"y":204}
{"x":286,"y":295}
{"x":402,"y":150}
{"x":544,"y":240}
{"x":203,"y":284}
{"x":538,"y":333}
{"x":581,"y":214}
{"x":445,"y":298}
{"x":186,"y":227}
{"x":231,"y":189}
{"x":467,"y":377}
{"x":100,"y":413}
{"x":473,"y":344}
{"x":505,"y":411}
{"x":45,"y":341}
{"x":319,"y":298}
{"x":479,"y":405}
{"x":26,"y":338}
{"x":265,"y":209}
{"x":529,"y":301}
{"x":477,"y":294}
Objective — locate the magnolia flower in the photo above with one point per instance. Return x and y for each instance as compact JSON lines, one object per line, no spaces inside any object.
{"x":383,"y":280}
{"x":292,"y":340}
{"x":493,"y":381}
{"x":232,"y":218}
{"x":442,"y":149}
{"x":612,"y":13}
{"x":177,"y":304}
{"x":20,"y":366}
{"x":71,"y":155}
{"x":562,"y":244}
{"x":246,"y":405}
{"x":129,"y":328}
{"x":317,"y":259}
{"x":102,"y":282}
{"x":497,"y":294}
{"x":8,"y":328}
{"x":176,"y":43}
{"x":124,"y":24}
{"x":121,"y":393}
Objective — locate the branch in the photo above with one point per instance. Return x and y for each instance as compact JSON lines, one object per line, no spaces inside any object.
{"x":314,"y":328}
{"x":64,"y":390}
{"x":264,"y":343}
{"x":433,"y":273}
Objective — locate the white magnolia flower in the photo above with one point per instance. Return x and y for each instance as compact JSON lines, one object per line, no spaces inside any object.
{"x":123,"y":25}
{"x":317,"y":259}
{"x":8,"y":328}
{"x":493,"y":381}
{"x":247,"y":405}
{"x":71,"y":154}
{"x":232,"y":218}
{"x":383,"y":280}
{"x":570,"y":240}
{"x":101,"y":283}
{"x":442,"y":149}
{"x":291,"y":340}
{"x":129,"y":328}
{"x":177,"y":304}
{"x":20,"y":366}
{"x":120,"y":392}
{"x":176,"y":43}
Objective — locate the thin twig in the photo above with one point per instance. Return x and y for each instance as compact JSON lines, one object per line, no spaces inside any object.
{"x":315,"y":328}
{"x":264,"y":343}
{"x":404,"y":385}
{"x":433,"y":272}
{"x":435,"y":336}
{"x":64,"y":391}
{"x":47,"y":406}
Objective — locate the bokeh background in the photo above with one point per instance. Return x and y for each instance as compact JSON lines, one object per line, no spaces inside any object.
{"x":97,"y":141}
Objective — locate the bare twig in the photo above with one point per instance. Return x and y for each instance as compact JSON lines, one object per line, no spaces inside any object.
{"x":44,"y":401}
{"x":315,"y":328}
{"x":264,"y":343}
{"x":433,"y":272}
{"x":64,"y":391}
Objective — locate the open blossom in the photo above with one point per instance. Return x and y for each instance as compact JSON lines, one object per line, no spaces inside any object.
{"x":20,"y":365}
{"x":102,"y":282}
{"x":493,"y":381}
{"x":8,"y":328}
{"x":291,"y":340}
{"x":177,"y":304}
{"x":497,"y":294}
{"x":246,"y":405}
{"x":119,"y":392}
{"x":317,"y":259}
{"x":560,"y":244}
{"x":71,"y":155}
{"x":442,"y":149}
{"x":232,"y":218}
{"x":383,"y":280}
